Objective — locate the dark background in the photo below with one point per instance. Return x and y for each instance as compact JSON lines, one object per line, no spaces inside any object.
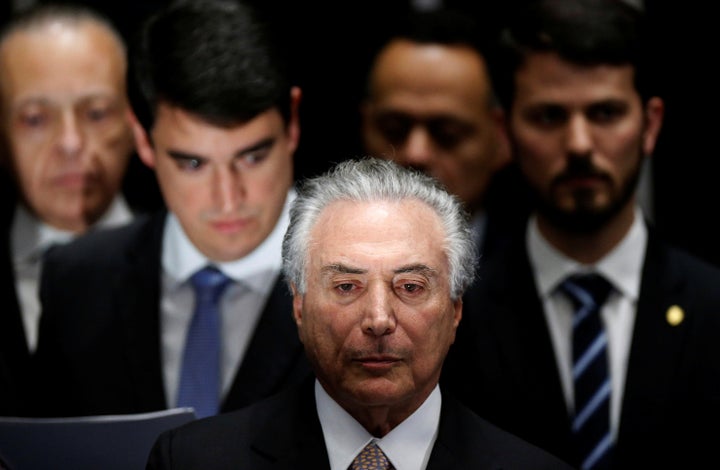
{"x":331,"y":43}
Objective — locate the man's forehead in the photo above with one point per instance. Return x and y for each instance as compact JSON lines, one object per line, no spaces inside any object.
{"x":391,"y":233}
{"x":86,"y":47}
{"x":552,"y":66}
{"x":550,"y":78}
{"x":24,"y":83}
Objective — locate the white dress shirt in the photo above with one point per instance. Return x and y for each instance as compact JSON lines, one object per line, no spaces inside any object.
{"x":408,"y":446}
{"x":622,"y":267}
{"x":30,"y":238}
{"x":241,"y":305}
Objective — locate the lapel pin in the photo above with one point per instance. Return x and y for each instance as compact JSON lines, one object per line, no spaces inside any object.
{"x":674,"y":315}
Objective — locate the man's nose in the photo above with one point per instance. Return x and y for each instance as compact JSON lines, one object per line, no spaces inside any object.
{"x":71,"y":136}
{"x":379,"y":316}
{"x":579,"y":139}
{"x":419,"y":147}
{"x":229,"y":188}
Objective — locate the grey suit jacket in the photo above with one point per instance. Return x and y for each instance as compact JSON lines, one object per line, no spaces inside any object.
{"x":502,"y":364}
{"x":99,"y":343}
{"x":284,"y":432}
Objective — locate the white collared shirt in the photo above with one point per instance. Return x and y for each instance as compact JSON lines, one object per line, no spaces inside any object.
{"x":30,"y":238}
{"x":408,"y":446}
{"x":241,"y":305}
{"x":623,"y":268}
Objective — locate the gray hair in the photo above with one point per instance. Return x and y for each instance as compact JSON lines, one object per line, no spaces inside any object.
{"x":373,"y":179}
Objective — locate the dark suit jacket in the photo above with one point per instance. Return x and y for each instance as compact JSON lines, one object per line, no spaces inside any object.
{"x":99,"y":346}
{"x":14,"y":355}
{"x":502,"y":364}
{"x":284,"y":432}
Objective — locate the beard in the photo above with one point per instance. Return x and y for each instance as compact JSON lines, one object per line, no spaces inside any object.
{"x":586,"y":218}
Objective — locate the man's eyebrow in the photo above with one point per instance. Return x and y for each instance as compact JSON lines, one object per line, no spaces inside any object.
{"x":42,"y":100}
{"x":260,"y":145}
{"x":423,"y":269}
{"x":180,"y":155}
{"x":617,"y":102}
{"x":339,"y":268}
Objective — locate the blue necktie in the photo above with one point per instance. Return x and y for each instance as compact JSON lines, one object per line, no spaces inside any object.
{"x":200,"y":374}
{"x":591,"y":423}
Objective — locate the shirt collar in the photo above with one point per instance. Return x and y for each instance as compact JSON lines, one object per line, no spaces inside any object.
{"x":181,"y":259}
{"x":406,"y":445}
{"x":31,"y":236}
{"x":622,"y":266}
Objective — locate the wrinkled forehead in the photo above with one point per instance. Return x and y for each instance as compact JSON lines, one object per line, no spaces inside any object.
{"x":407,"y":223}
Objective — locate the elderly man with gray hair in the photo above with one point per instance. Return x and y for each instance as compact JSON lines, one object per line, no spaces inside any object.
{"x":377,"y":258}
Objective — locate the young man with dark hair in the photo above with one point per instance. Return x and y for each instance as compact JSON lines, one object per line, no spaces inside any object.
{"x":186,"y":308}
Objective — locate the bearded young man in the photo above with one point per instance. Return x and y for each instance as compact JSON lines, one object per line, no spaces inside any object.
{"x":622,"y":378}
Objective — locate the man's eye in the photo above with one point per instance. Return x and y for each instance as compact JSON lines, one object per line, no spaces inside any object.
{"x":345,"y":287}
{"x":547,"y":116}
{"x":189,"y":164}
{"x":394,"y":129}
{"x":606,"y":113}
{"x":96,"y":115}
{"x":411,"y":288}
{"x":448,"y":135}
{"x":253,"y":158}
{"x":33,"y":120}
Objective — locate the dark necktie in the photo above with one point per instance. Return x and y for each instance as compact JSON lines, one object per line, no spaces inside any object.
{"x":200,"y":374}
{"x":371,"y":458}
{"x":591,"y":422}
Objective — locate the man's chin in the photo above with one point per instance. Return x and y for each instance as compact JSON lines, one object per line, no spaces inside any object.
{"x":578,"y":222}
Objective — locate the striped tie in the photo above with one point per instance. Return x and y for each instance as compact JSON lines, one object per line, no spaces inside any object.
{"x":591,"y":423}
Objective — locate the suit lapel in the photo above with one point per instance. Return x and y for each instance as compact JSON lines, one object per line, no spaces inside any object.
{"x":274,"y":353}
{"x":291,"y":436}
{"x":14,"y":354}
{"x":12,"y":331}
{"x":656,"y":345}
{"x":524,"y":340}
{"x":513,"y":345}
{"x":137,"y":297}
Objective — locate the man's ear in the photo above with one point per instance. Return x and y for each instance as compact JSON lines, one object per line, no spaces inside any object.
{"x":142,"y":141}
{"x":457,"y":309}
{"x":654,"y":114}
{"x":297,"y":310}
{"x":294,"y":120}
{"x":297,"y":305}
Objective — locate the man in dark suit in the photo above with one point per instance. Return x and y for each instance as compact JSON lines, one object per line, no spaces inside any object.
{"x":215,"y":116}
{"x":377,"y":257}
{"x":644,"y":392}
{"x":66,"y":143}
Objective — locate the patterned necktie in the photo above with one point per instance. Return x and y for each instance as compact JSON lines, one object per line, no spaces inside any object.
{"x":371,"y":458}
{"x":200,"y":374}
{"x":591,"y":423}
